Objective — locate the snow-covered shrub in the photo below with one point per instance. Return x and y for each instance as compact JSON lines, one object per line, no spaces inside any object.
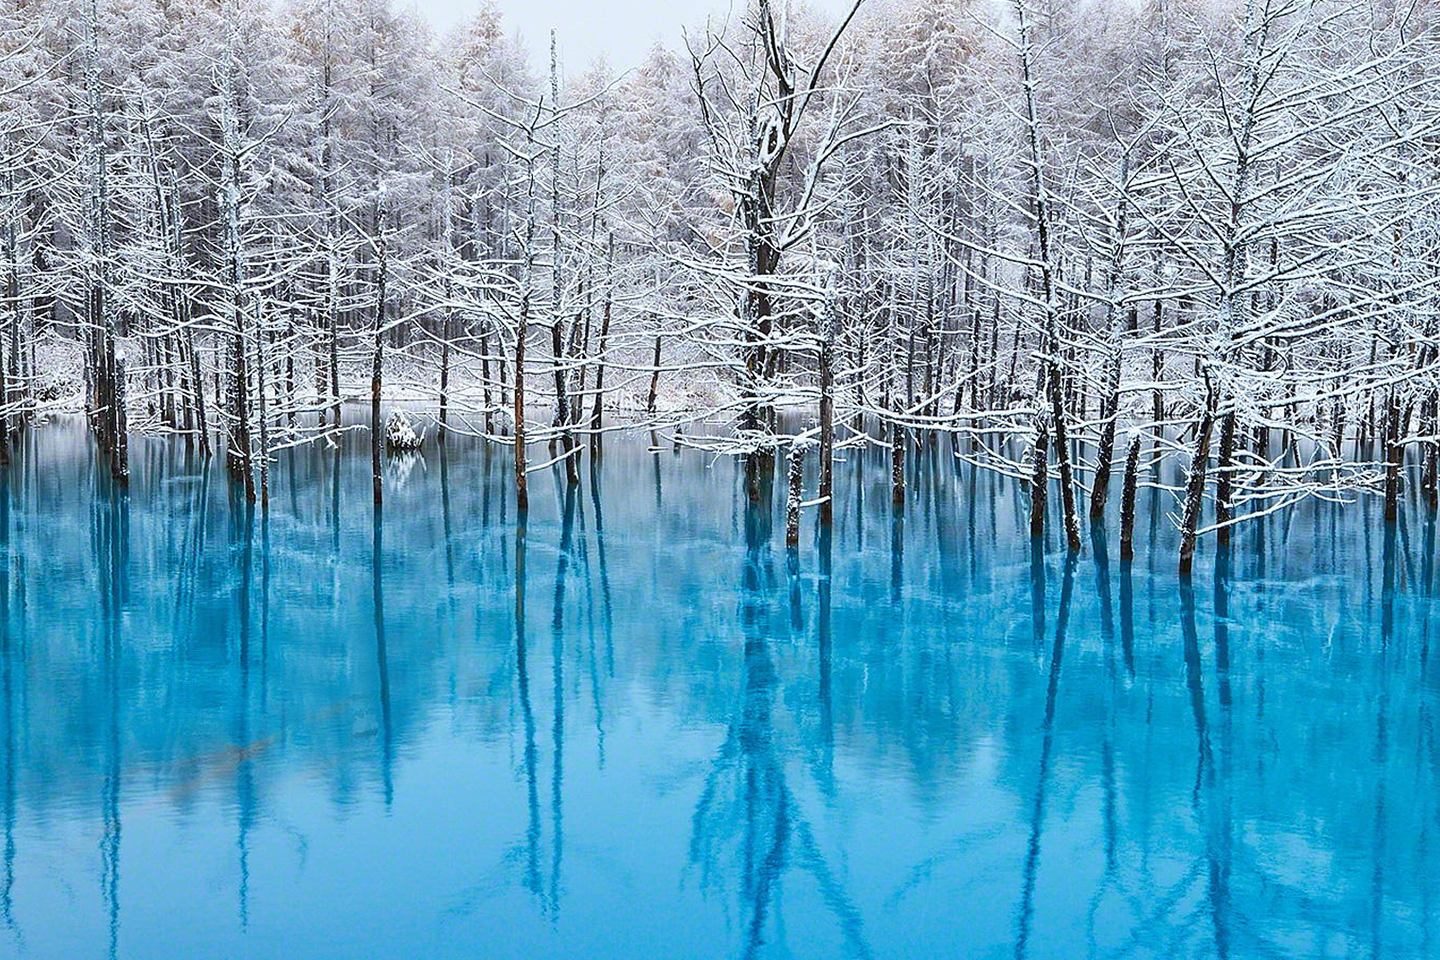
{"x":399,"y":434}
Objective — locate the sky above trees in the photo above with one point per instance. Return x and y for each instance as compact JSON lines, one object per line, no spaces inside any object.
{"x":620,"y":30}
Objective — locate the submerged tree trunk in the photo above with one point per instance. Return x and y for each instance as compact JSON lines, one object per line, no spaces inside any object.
{"x":557,"y":338}
{"x":333,"y":309}
{"x":5,"y":399}
{"x":444,"y":418}
{"x":522,"y":329}
{"x":522,"y":492}
{"x":262,"y":412}
{"x":377,"y":356}
{"x":1039,"y":479}
{"x":1225,"y":478}
{"x":1127,"y":500}
{"x":240,"y":458}
{"x":598,"y":410}
{"x":447,"y":328}
{"x":897,"y":467}
{"x":1195,"y":488}
{"x":827,"y":419}
{"x":653,"y":396}
{"x":562,"y":404}
{"x":1062,"y":456}
{"x":795,"y":494}
{"x":1394,"y":432}
{"x":1430,"y":476}
{"x":197,"y":382}
{"x":1104,"y":457}
{"x":109,"y":369}
{"x":485,"y":380}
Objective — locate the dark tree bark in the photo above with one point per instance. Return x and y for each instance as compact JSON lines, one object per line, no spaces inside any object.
{"x":1127,"y":500}
{"x":1039,"y":479}
{"x":795,"y":495}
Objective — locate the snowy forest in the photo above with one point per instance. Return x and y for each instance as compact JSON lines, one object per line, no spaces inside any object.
{"x":1061,"y":242}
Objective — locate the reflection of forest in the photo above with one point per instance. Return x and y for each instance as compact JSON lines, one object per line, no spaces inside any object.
{"x":1244,"y":766}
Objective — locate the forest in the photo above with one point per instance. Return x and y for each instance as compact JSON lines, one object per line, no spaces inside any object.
{"x":1066,"y":243}
{"x":880,"y":478}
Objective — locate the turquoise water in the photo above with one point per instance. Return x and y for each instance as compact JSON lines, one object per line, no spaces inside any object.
{"x":336,"y":733}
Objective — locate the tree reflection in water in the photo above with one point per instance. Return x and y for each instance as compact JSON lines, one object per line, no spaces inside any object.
{"x":902,"y":734}
{"x":748,"y":827}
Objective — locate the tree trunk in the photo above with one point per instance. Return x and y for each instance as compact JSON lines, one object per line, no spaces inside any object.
{"x":377,"y":356}
{"x":1104,"y":458}
{"x":654,"y":394}
{"x":1127,"y":500}
{"x":1039,"y":479}
{"x":792,"y":502}
{"x":827,"y":425}
{"x":1225,"y":478}
{"x":1195,"y":488}
{"x":897,"y":467}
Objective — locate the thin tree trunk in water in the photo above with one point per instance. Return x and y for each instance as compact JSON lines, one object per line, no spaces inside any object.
{"x":522,"y":492}
{"x":10,"y":387}
{"x":241,"y":451}
{"x":240,"y":455}
{"x":992,"y":387}
{"x":184,"y":392}
{"x":109,"y":370}
{"x":122,"y":430}
{"x":445,"y":373}
{"x":1430,"y":480}
{"x":321,"y":376}
{"x":376,"y":368}
{"x":333,"y":308}
{"x":1106,"y":454}
{"x":290,"y":390}
{"x":752,"y":475}
{"x":827,"y":423}
{"x":377,"y":363}
{"x":1062,"y":455}
{"x":598,"y":411}
{"x":197,"y":381}
{"x":447,"y":230}
{"x":503,"y":370}
{"x":5,"y":379}
{"x":180,"y":305}
{"x":170,"y":361}
{"x":1157,"y":366}
{"x":1110,"y":400}
{"x":5,"y":399}
{"x":485,"y":380}
{"x":557,"y":340}
{"x":897,"y":467}
{"x":1225,"y":478}
{"x":654,"y":382}
{"x":1195,"y":488}
{"x":1262,"y":430}
{"x":1367,"y":424}
{"x":792,"y":503}
{"x":262,"y":413}
{"x":562,"y":404}
{"x":1039,"y":479}
{"x":1394,"y":454}
{"x":974,"y":362}
{"x":1127,"y":500}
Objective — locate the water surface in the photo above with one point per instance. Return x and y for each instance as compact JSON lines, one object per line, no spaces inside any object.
{"x":636,"y":727}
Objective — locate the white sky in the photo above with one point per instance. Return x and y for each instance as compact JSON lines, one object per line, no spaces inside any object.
{"x":621,"y":30}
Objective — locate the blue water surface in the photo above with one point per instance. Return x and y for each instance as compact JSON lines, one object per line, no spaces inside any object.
{"x":636,"y":727}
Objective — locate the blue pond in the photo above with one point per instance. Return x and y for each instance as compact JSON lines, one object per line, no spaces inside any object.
{"x":638,"y":728}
